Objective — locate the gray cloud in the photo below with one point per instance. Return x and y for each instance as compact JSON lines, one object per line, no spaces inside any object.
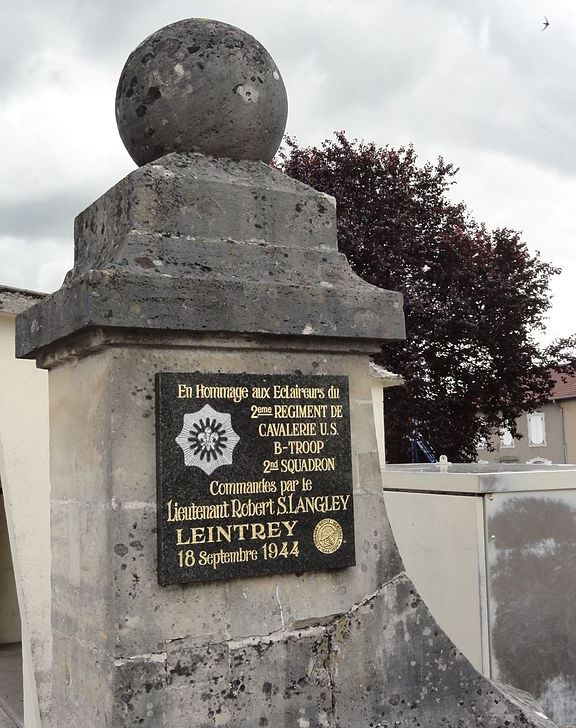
{"x":50,"y":217}
{"x":477,"y":82}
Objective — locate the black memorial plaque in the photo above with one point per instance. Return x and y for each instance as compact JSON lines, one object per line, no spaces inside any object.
{"x":254,"y":475}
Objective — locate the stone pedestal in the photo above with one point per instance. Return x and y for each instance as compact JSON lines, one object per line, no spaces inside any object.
{"x":194,"y":264}
{"x":236,"y":652}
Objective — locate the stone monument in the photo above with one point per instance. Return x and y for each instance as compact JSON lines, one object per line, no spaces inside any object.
{"x":221,"y":554}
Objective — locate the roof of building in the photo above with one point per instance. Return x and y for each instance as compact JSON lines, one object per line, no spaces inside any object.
{"x":16,"y":300}
{"x":388,"y":379}
{"x":563,"y":389}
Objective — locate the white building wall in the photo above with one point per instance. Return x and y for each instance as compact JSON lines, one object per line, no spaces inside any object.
{"x":381,"y":379}
{"x":24,"y":471}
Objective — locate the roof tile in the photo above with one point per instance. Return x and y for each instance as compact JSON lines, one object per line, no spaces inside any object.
{"x":563,"y":389}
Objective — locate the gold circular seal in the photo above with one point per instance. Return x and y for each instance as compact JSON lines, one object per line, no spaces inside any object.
{"x":328,"y":535}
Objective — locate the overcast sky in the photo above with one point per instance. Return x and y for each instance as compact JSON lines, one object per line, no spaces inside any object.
{"x":476,"y":81}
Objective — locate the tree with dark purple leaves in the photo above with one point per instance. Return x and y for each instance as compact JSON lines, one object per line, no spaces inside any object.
{"x":475,"y":299}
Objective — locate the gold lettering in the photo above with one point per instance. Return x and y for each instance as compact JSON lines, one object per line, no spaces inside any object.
{"x":227,"y":557}
{"x":198,"y":534}
{"x":274,"y":530}
{"x":311,"y":504}
{"x":238,"y":531}
{"x":289,"y":526}
{"x":288,"y":429}
{"x":300,"y":411}
{"x":224,"y":532}
{"x":242,"y":488}
{"x":241,"y":528}
{"x":258,"y":531}
{"x":236,"y":394}
{"x":194,"y":512}
{"x":179,"y":540}
{"x":184,"y":391}
{"x":307,"y":465}
{"x":250,"y":508}
{"x":296,"y":392}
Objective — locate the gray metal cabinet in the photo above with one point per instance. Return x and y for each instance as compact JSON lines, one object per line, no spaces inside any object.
{"x":492,"y":551}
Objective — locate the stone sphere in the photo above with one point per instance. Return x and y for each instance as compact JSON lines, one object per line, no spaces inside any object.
{"x":201,"y":86}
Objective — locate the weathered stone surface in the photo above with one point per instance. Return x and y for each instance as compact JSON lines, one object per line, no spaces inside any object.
{"x":333,"y":674}
{"x":197,"y":244}
{"x":201,"y":86}
{"x":353,"y":648}
{"x":85,"y":685}
{"x":104,"y":502}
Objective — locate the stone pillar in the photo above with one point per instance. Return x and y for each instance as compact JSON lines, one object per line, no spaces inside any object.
{"x":220,"y":264}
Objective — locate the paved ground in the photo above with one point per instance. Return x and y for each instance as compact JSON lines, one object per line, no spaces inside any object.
{"x":11,"y":707}
{"x":5,"y":721}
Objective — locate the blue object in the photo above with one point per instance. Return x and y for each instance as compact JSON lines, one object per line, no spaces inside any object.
{"x":418,"y":443}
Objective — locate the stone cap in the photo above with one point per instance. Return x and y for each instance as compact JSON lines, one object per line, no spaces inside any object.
{"x":192,"y":243}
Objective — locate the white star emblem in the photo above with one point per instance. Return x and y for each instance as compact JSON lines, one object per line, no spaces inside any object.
{"x":207,"y":439}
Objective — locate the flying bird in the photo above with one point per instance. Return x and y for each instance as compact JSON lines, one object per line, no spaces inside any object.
{"x":546,"y":23}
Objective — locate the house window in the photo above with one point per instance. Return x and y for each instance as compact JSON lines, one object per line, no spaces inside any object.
{"x":506,"y":439}
{"x":536,"y":429}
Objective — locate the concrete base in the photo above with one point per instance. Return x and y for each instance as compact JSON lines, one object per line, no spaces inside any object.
{"x":11,"y":689}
